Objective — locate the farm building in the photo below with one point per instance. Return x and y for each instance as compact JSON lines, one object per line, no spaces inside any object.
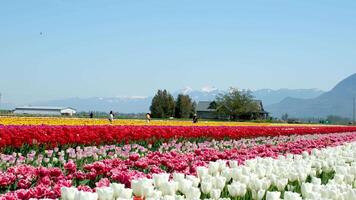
{"x":208,"y":110}
{"x":39,"y":110}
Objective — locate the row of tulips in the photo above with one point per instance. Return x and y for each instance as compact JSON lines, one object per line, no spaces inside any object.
{"x":138,"y":122}
{"x":51,"y":136}
{"x":25,"y":181}
{"x":82,"y":155}
{"x":324,"y":174}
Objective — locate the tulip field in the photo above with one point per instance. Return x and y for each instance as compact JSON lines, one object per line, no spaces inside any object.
{"x":133,"y":122}
{"x":91,"y":159}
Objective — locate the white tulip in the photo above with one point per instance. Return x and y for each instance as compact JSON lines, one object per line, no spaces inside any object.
{"x":307,"y":189}
{"x":305,"y":154}
{"x":179,"y":197}
{"x":235,"y":173}
{"x":349,"y":179}
{"x":80,"y":195}
{"x":266,"y":183}
{"x":237,"y":189}
{"x":184,"y":185}
{"x":158,"y":179}
{"x":233,"y":164}
{"x":105,"y":193}
{"x":261,"y":172}
{"x":169,"y":188}
{"x":68,"y":193}
{"x":244,"y":179}
{"x":136,"y":187}
{"x":222,"y":165}
{"x":316,"y":181}
{"x":350,"y":195}
{"x":215,"y":194}
{"x":117,"y":188}
{"x":193,"y":194}
{"x":206,"y":187}
{"x":281,"y":184}
{"x":292,"y":196}
{"x":273,"y":195}
{"x":255,"y":184}
{"x":202,"y":172}
{"x":156,"y":194}
{"x":194,"y":180}
{"x":227,"y":174}
{"x":147,"y":190}
{"x":219,"y":182}
{"x":178,"y":177}
{"x":126,"y":193}
{"x":261,"y":194}
{"x":339,"y":178}
{"x":168,"y":197}
{"x":139,"y":185}
{"x":246,"y":170}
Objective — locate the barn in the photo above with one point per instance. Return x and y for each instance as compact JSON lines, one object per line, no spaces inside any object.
{"x":42,"y":110}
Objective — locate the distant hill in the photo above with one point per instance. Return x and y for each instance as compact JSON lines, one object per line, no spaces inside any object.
{"x":337,"y":101}
{"x":269,"y":96}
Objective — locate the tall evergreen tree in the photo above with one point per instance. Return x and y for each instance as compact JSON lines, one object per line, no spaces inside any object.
{"x":162,"y":105}
{"x":185,"y":107}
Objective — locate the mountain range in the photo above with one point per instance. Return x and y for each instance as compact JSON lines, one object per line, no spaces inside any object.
{"x":338,"y":101}
{"x":298,"y":103}
{"x":136,"y":104}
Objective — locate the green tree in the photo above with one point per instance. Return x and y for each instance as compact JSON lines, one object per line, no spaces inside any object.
{"x":162,"y":105}
{"x":185,"y":107}
{"x":237,"y":104}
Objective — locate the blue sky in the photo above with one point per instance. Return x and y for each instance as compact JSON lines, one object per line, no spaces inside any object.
{"x":122,"y":48}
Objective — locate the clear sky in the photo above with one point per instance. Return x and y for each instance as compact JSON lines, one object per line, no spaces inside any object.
{"x":53,"y":49}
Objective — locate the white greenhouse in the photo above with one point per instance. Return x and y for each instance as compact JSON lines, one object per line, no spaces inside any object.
{"x":41,"y":110}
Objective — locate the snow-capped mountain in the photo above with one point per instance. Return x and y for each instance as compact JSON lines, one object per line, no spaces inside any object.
{"x":207,"y":93}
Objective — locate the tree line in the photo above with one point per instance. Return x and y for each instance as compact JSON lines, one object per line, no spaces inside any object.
{"x":164,"y":105}
{"x":236,"y":104}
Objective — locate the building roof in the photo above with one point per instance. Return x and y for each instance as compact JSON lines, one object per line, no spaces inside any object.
{"x":204,"y":106}
{"x":42,"y":108}
{"x":260,"y":105}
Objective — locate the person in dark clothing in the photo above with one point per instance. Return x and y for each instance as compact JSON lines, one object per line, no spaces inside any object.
{"x":91,"y":115}
{"x":111,"y":116}
{"x":195,"y":118}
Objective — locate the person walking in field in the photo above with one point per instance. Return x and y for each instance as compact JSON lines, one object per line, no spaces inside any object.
{"x":148,"y":117}
{"x":195,"y":118}
{"x":91,"y":115}
{"x":111,"y":116}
